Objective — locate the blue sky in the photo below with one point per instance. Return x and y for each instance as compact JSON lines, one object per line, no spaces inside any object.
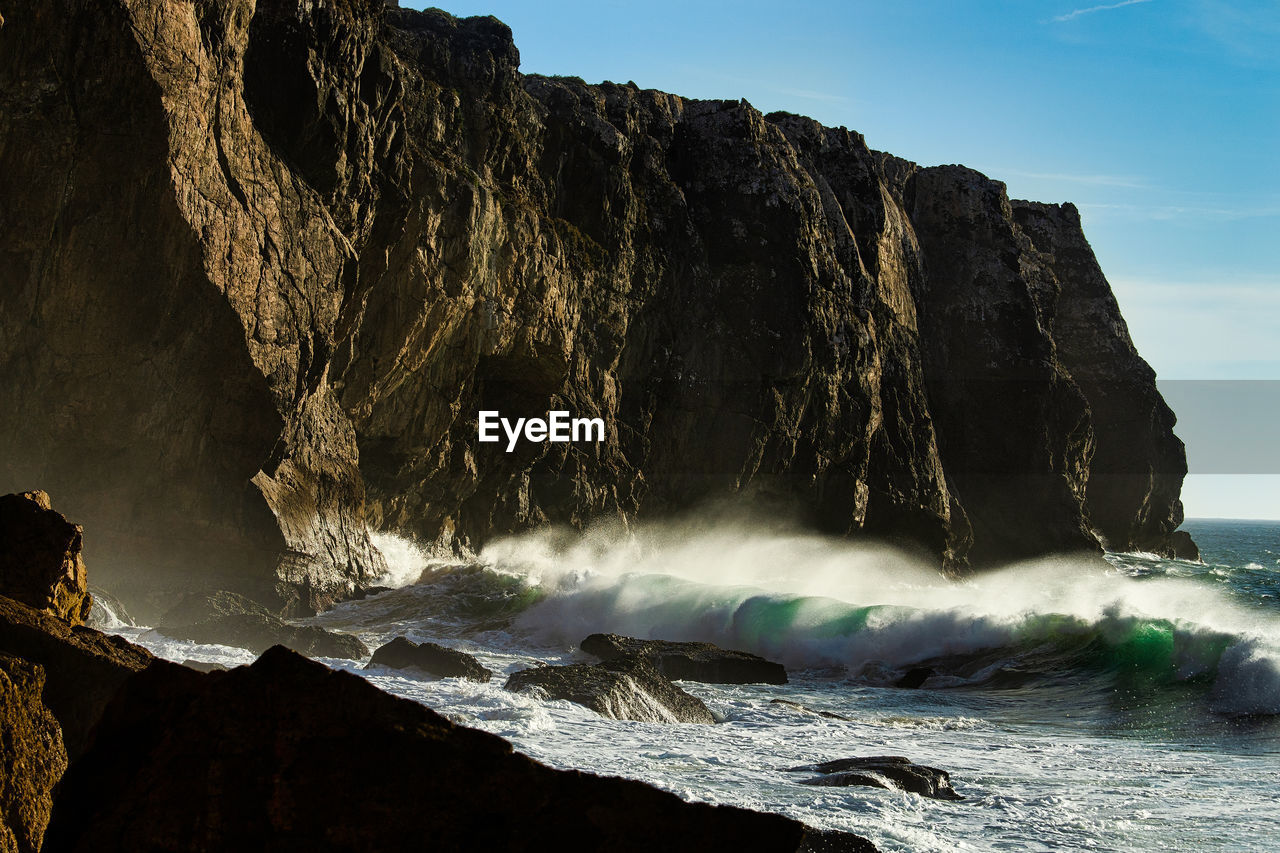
{"x":1160,"y":119}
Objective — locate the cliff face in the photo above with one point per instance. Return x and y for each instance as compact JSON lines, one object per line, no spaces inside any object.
{"x":263,"y":263}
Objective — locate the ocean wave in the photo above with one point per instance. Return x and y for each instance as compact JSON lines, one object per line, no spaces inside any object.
{"x":877,"y":614}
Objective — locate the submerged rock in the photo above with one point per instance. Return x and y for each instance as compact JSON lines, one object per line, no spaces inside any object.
{"x":291,"y":755}
{"x":231,"y":619}
{"x":431,"y":658}
{"x":882,"y":771}
{"x":40,"y":560}
{"x":690,"y":661}
{"x":32,"y":756}
{"x":830,"y":715}
{"x":629,"y":688}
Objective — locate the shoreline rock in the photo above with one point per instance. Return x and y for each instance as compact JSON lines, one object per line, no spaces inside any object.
{"x":892,"y":772}
{"x":626,"y":688}
{"x":430,"y":658}
{"x":683,"y":661}
{"x":231,"y":619}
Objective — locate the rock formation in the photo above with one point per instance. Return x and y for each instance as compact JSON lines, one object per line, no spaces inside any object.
{"x":264,"y":263}
{"x":31,"y":755}
{"x":431,"y":658}
{"x":83,"y":668}
{"x":624,"y":688}
{"x":40,"y":558}
{"x":289,"y":754}
{"x":231,"y":619}
{"x":882,"y":771}
{"x":689,"y":661}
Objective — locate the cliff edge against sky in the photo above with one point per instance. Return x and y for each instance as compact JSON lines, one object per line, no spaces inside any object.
{"x":264,"y":263}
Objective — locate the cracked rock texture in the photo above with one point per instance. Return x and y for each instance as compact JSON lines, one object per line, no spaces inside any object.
{"x":264,"y":262}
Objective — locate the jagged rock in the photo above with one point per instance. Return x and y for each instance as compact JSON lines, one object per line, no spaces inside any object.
{"x":380,"y":228}
{"x":431,"y":658}
{"x":690,"y":661}
{"x":882,"y":771}
{"x":83,"y":667}
{"x":40,"y":557}
{"x":291,"y":754}
{"x":627,"y":688}
{"x":31,"y":754}
{"x":230,"y":619}
{"x":830,"y":715}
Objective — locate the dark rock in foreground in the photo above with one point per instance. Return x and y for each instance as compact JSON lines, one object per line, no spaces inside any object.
{"x":32,"y":757}
{"x":431,"y":658}
{"x":690,"y":661}
{"x":287,"y":754}
{"x":83,"y":667}
{"x":622,"y":689}
{"x":231,"y":619}
{"x":40,"y":562}
{"x":883,"y":771}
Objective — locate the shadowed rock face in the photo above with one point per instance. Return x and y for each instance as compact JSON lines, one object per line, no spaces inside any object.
{"x":235,"y":760}
{"x":265,"y":262}
{"x":83,"y":668}
{"x":40,"y":558}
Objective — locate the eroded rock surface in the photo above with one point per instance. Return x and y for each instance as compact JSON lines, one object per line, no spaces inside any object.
{"x":380,"y":227}
{"x":628,"y":688}
{"x":689,"y":661}
{"x":32,"y":757}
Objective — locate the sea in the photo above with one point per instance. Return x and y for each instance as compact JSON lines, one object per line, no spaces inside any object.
{"x":1112,"y":704}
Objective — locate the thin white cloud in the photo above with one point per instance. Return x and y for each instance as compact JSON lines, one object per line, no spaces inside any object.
{"x":1104,"y":8}
{"x":1091,"y":180}
{"x":1176,"y":211}
{"x":809,"y":94}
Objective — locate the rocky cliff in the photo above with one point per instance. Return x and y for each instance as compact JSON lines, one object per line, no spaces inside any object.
{"x":264,"y":262}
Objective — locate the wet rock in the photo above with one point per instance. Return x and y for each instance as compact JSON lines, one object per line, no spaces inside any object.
{"x":690,"y":661}
{"x":83,"y":667}
{"x":915,"y":677}
{"x":40,"y":560}
{"x":292,"y":755}
{"x":32,"y":756}
{"x":431,"y":658}
{"x":627,"y":688}
{"x":882,"y":771}
{"x":231,"y":619}
{"x":830,"y":715}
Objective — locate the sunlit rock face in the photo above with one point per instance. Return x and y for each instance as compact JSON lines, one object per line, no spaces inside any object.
{"x":264,"y":263}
